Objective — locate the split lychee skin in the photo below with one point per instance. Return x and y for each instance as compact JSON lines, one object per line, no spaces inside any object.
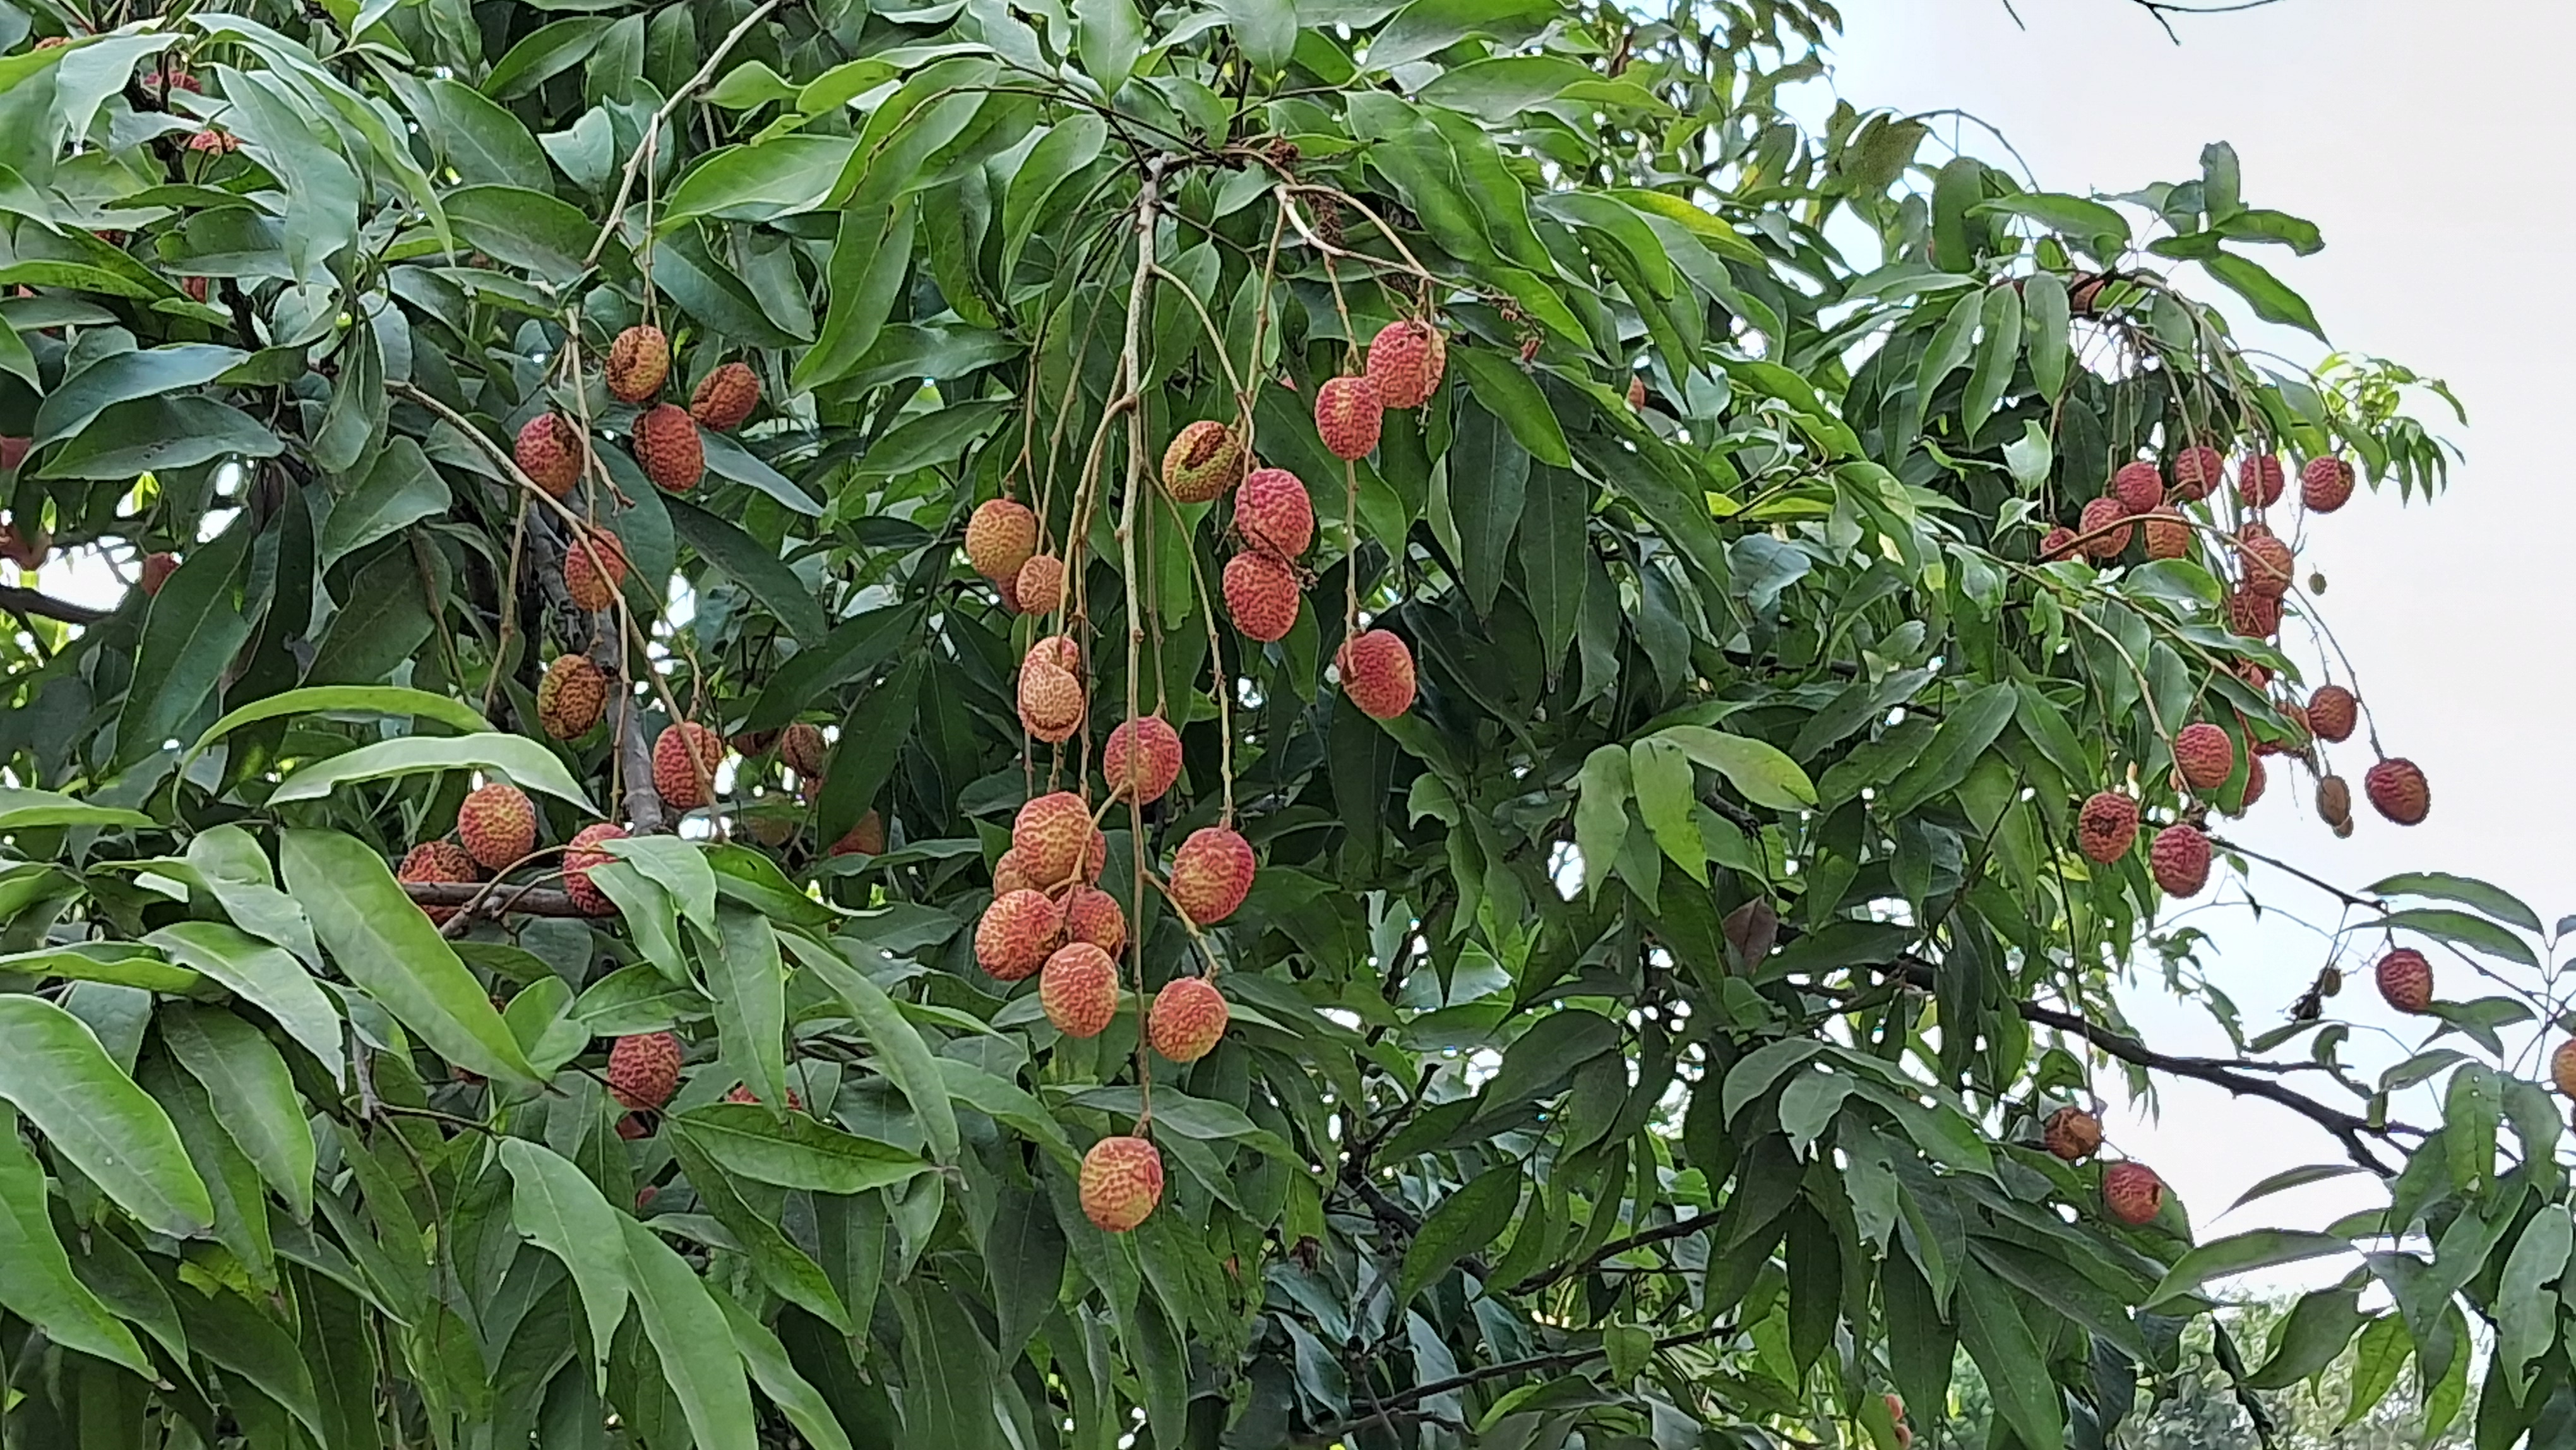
{"x":638,"y":360}
{"x":594,"y":568}
{"x":2168,"y":533}
{"x":549,"y":451}
{"x":644,"y":1070}
{"x":1261,"y":596}
{"x":2072,"y":1134}
{"x":1000,"y":536}
{"x":1142,"y":757}
{"x":2179,"y":860}
{"x":1188,"y":1017}
{"x":2333,"y":713}
{"x":1122,"y":1181}
{"x":2197,"y":470}
{"x":1377,"y":673}
{"x":2057,"y":543}
{"x":2406,"y":980}
{"x":866,"y":837}
{"x":2138,"y":487}
{"x":682,"y":785}
{"x":1405,"y":361}
{"x":439,"y":861}
{"x":157,"y":569}
{"x":2102,"y":541}
{"x":1348,"y":415}
{"x":1211,"y":874}
{"x":1039,"y":586}
{"x":2106,"y":826}
{"x":1274,"y":514}
{"x":571,"y":696}
{"x":2398,"y":790}
{"x":1205,"y":460}
{"x":1017,"y":933}
{"x":802,"y":749}
{"x":2562,"y":1068}
{"x":498,"y":824}
{"x":1092,"y":915}
{"x":1051,"y":701}
{"x":725,"y":397}
{"x":2270,"y":568}
{"x":1052,"y":835}
{"x":1079,"y":989}
{"x":667,"y":447}
{"x":581,"y":855}
{"x":2259,"y":480}
{"x":2133,"y":1193}
{"x":2325,"y":484}
{"x":2204,"y":755}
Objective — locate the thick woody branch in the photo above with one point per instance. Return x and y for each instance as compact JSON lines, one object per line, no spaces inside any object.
{"x":526,"y":901}
{"x":29,"y":604}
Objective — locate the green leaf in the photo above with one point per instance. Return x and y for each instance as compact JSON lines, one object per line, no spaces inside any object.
{"x":1752,"y":1077}
{"x":2045,"y":312}
{"x":399,"y":490}
{"x":749,"y":982}
{"x":2378,"y":1359}
{"x":254,"y":1096}
{"x":543,"y":53}
{"x":1667,"y":796}
{"x":2099,"y":229}
{"x":1488,"y":483}
{"x":2289,"y":1178}
{"x":2310,"y":1338}
{"x":123,"y":376}
{"x":120,"y":963}
{"x":756,"y":568}
{"x":36,"y":1281}
{"x":29,"y":810}
{"x":1964,"y":734}
{"x":1465,"y":1221}
{"x":333,"y":700}
{"x":486,"y":144}
{"x":781,"y":176}
{"x":795,"y":1151}
{"x":2262,"y":1248}
{"x":263,"y":975}
{"x":691,"y":1336}
{"x":159,"y":434}
{"x":2526,"y":1306}
{"x":53,"y":1068}
{"x":1067,"y":147}
{"x":533,"y":230}
{"x":2496,"y":902}
{"x":796,"y":1398}
{"x":515,"y":758}
{"x":560,"y":1210}
{"x":1758,"y":771}
{"x":191,"y":630}
{"x":864,"y":757}
{"x":1997,"y":350}
{"x":901,"y":1054}
{"x":389,"y":948}
{"x":1509,"y":393}
{"x":1109,"y":36}
{"x":2474,"y":932}
{"x":1601,"y":812}
{"x":2000,"y":1341}
{"x":2270,"y":298}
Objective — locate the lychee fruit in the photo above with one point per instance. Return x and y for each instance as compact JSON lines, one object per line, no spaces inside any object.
{"x":2562,"y":1068}
{"x":157,"y":569}
{"x":865,"y":837}
{"x":685,"y":785}
{"x":2252,"y":613}
{"x":2106,"y":826}
{"x":2168,"y":533}
{"x":2269,"y":567}
{"x":1142,"y":758}
{"x":2133,"y":1193}
{"x":2197,"y":470}
{"x":1348,"y":414}
{"x":1092,"y":915}
{"x":2253,"y":784}
{"x":1039,"y":586}
{"x":1404,"y":363}
{"x":1060,"y":651}
{"x":1122,"y":1181}
{"x":1079,"y":989}
{"x":2204,"y":755}
{"x":498,"y":824}
{"x":1204,"y":460}
{"x":1000,"y":536}
{"x":1261,"y":596}
{"x":2179,"y":860}
{"x":2334,"y":804}
{"x":581,"y":855}
{"x":1051,"y":700}
{"x":638,"y":360}
{"x":26,"y":550}
{"x":571,"y":696}
{"x":801,"y":748}
{"x":2101,"y":540}
{"x":1017,"y":933}
{"x":644,"y":1070}
{"x":1052,"y":835}
{"x":2259,"y":480}
{"x":668,"y":449}
{"x":2072,"y":1134}
{"x":1274,"y":514}
{"x":1211,"y":874}
{"x":1189,"y":1016}
{"x":2333,"y":713}
{"x":1010,"y":874}
{"x":2325,"y":485}
{"x":1377,"y":673}
{"x":2398,"y":790}
{"x":2138,"y":487}
{"x":549,"y":451}
{"x":594,"y":569}
{"x":441,"y":861}
{"x":2406,"y":980}
{"x":725,"y":397}
{"x":2057,"y":543}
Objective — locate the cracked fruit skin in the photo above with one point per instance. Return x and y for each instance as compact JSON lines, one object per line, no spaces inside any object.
{"x":571,"y":696}
{"x":2405,"y":980}
{"x":725,"y":397}
{"x":1143,"y":757}
{"x":582,"y":854}
{"x":1405,"y":361}
{"x":498,"y":824}
{"x":594,"y":569}
{"x":2133,"y":1193}
{"x":1261,"y":596}
{"x":1348,"y":415}
{"x":2204,"y":755}
{"x":440,"y":861}
{"x":1122,"y":1181}
{"x":2398,"y":790}
{"x":1188,"y":1017}
{"x":1079,"y":989}
{"x":1274,"y":513}
{"x":668,"y":448}
{"x":2073,"y":1134}
{"x":1211,"y":874}
{"x":1205,"y":460}
{"x":1377,"y":673}
{"x":549,"y":451}
{"x":682,"y":784}
{"x":2106,"y":826}
{"x":644,"y":1070}
{"x":1000,"y":536}
{"x":638,"y":360}
{"x":2179,"y":860}
{"x":1017,"y":934}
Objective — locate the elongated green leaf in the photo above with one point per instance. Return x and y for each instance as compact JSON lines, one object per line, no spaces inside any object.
{"x":2263,"y":1248}
{"x":28,"y":810}
{"x":750,"y":984}
{"x":2000,"y":1341}
{"x":264,"y":975}
{"x":2305,"y":1343}
{"x":2270,"y":297}
{"x":516,"y":758}
{"x":2474,"y":932}
{"x":752,"y":566}
{"x":362,"y":700}
{"x":120,"y":377}
{"x":795,"y":1396}
{"x":53,"y":1068}
{"x":121,"y":963}
{"x":1502,"y":387}
{"x":1601,"y":812}
{"x":1758,"y":770}
{"x":1666,"y":795}
{"x":1465,"y":1222}
{"x":797,"y":1151}
{"x":36,"y":1281}
{"x":2496,"y":902}
{"x":253,"y":1093}
{"x":901,"y":1054}
{"x":560,"y":1210}
{"x":690,"y":1334}
{"x":781,"y":176}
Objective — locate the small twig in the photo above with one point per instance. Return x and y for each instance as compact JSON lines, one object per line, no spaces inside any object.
{"x":635,"y":159}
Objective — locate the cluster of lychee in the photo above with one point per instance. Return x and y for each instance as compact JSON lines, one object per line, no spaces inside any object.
{"x":2131,"y":1191}
{"x":554,"y":454}
{"x":496,"y":827}
{"x":1002,"y":545}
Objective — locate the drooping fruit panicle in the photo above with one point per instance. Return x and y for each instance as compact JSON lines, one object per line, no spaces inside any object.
{"x":1092,"y":915}
{"x":802,"y":749}
{"x":2102,"y":540}
{"x":1079,"y":989}
{"x":1017,"y":933}
{"x":644,"y":1070}
{"x":1348,"y":414}
{"x":2325,"y":484}
{"x":1052,"y":835}
{"x":2179,"y":860}
{"x":725,"y":397}
{"x":1143,"y":758}
{"x":2259,"y":480}
{"x":2406,"y":980}
{"x":667,"y":447}
{"x":2333,"y":713}
{"x":157,"y":569}
{"x":1039,"y":586}
{"x":2107,"y":826}
{"x":683,"y":784}
{"x":583,"y":854}
{"x":2138,"y":487}
{"x":1000,"y":536}
{"x":1274,"y":514}
{"x":1188,"y":1017}
{"x":1211,"y":874}
{"x":571,"y":696}
{"x":2072,"y":1134}
{"x":1204,"y":460}
{"x":1261,"y":596}
{"x":594,"y":569}
{"x":638,"y":360}
{"x":1122,"y":1181}
{"x":498,"y":824}
{"x":2398,"y":790}
{"x":866,"y":837}
{"x":438,"y":861}
{"x":1405,"y":361}
{"x":2196,"y":471}
{"x":549,"y":451}
{"x":2204,"y":755}
{"x":2133,"y":1193}
{"x":1377,"y":673}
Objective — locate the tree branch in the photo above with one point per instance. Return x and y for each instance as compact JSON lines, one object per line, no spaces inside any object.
{"x":525,"y":901}
{"x":1533,"y":1364}
{"x":29,"y":604}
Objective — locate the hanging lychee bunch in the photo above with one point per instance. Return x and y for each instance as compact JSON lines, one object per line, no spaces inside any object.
{"x":498,"y":824}
{"x":685,"y":783}
{"x":1051,"y":696}
{"x":725,"y":397}
{"x":1204,"y":462}
{"x":550,"y":452}
{"x":571,"y":696}
{"x":638,"y":360}
{"x":580,"y":856}
{"x":439,"y":861}
{"x":1405,"y":361}
{"x":594,"y":569}
{"x":668,"y":449}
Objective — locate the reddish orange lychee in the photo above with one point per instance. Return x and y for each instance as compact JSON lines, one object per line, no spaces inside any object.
{"x":725,"y":397}
{"x":2101,"y":539}
{"x":1092,"y":915}
{"x":2179,"y":860}
{"x":644,"y":1070}
{"x":1261,"y":596}
{"x":2133,"y":1193}
{"x":1052,"y":835}
{"x":2398,"y":790}
{"x":440,"y":861}
{"x":157,"y":569}
{"x":1348,"y":414}
{"x":1143,"y":758}
{"x":638,"y":360}
{"x":2138,"y":487}
{"x":685,"y":785}
{"x":2259,"y":480}
{"x":1000,"y":536}
{"x":1079,"y":989}
{"x":1204,"y":460}
{"x":1122,"y":1181}
{"x":2073,"y":1134}
{"x":594,"y":569}
{"x":2406,"y":980}
{"x":2325,"y":485}
{"x":1377,"y":673}
{"x":549,"y":451}
{"x":1017,"y":933}
{"x":1405,"y":361}
{"x":1274,"y":514}
{"x":579,"y":857}
{"x":2204,"y":755}
{"x":571,"y":696}
{"x":1211,"y":874}
{"x":1189,"y":1016}
{"x":498,"y":824}
{"x":668,"y":449}
{"x":2333,"y":713}
{"x":2106,"y":826}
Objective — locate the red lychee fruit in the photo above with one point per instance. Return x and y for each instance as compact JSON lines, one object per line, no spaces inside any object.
{"x":441,"y":861}
{"x":212,"y":140}
{"x":1204,"y":460}
{"x":498,"y":824}
{"x":1143,"y":757}
{"x":1211,"y":874}
{"x":1079,"y":989}
{"x":1404,"y":363}
{"x":2168,"y":533}
{"x":668,"y":449}
{"x":581,"y":855}
{"x":2325,"y":485}
{"x":1274,"y":514}
{"x":2204,"y":755}
{"x":801,"y":748}
{"x":2252,"y":613}
{"x":1348,"y":414}
{"x":1261,"y":596}
{"x":1009,"y":875}
{"x":1060,"y":651}
{"x":2107,"y":826}
{"x":2133,"y":1193}
{"x":866,"y":837}
{"x":594,"y":569}
{"x":2269,"y":566}
{"x":638,"y":360}
{"x":1092,"y":915}
{"x":2562,"y":1068}
{"x":683,"y":785}
{"x":1052,"y":834}
{"x":644,"y":1070}
{"x":549,"y":451}
{"x":1017,"y":933}
{"x":2253,"y":784}
{"x":2072,"y":1134}
{"x":1039,"y":586}
{"x":2406,"y":980}
{"x":2057,"y":543}
{"x":1000,"y":536}
{"x":2259,"y":480}
{"x":2101,"y":540}
{"x":2196,"y":471}
{"x":2179,"y":860}
{"x":1051,"y":701}
{"x":571,"y":696}
{"x":2398,"y":790}
{"x":1377,"y":673}
{"x":1122,"y":1181}
{"x":157,"y":569}
{"x":725,"y":397}
{"x":2138,"y":487}
{"x":2334,"y":803}
{"x":1189,"y":1016}
{"x":2333,"y":713}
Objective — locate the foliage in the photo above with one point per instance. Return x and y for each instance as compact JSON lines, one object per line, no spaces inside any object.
{"x":1644,"y":1038}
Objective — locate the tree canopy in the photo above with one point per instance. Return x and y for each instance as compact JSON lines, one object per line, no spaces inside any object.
{"x":1370,"y":722}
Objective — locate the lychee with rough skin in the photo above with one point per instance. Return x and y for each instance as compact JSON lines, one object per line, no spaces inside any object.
{"x":1274,"y":514}
{"x":2398,"y":790}
{"x":2057,"y":543}
{"x":1143,"y":758}
{"x":2197,"y":470}
{"x":571,"y":696}
{"x":638,"y":360}
{"x":2204,"y":755}
{"x":2072,"y":1134}
{"x":1092,"y":915}
{"x":498,"y":824}
{"x":1211,"y":874}
{"x":2101,"y":539}
{"x":1188,"y":1017}
{"x":2259,"y":480}
{"x":685,"y":785}
{"x":1205,"y":459}
{"x":725,"y":397}
{"x":2325,"y":484}
{"x":1000,"y":536}
{"x":1051,"y":701}
{"x":667,"y":447}
{"x":549,"y":451}
{"x":2562,"y":1068}
{"x":2133,"y":1193}
{"x":440,"y":861}
{"x":2406,"y":980}
{"x":644,"y":1070}
{"x":2254,"y":782}
{"x":1010,"y":875}
{"x":801,"y":748}
{"x":2138,"y":487}
{"x":2179,"y":860}
{"x":1405,"y":361}
{"x":1122,"y":1181}
{"x":1017,"y":933}
{"x":1377,"y":673}
{"x":1039,"y":586}
{"x":594,"y":569}
{"x":2270,"y":568}
{"x":2168,"y":533}
{"x":865,"y":837}
{"x":581,"y":855}
{"x":2106,"y":826}
{"x":1261,"y":596}
{"x":1052,"y":835}
{"x":2252,"y":613}
{"x":2334,"y":804}
{"x":1059,"y":650}
{"x":157,"y":569}
{"x":2333,"y":713}
{"x":1348,"y":415}
{"x":1079,"y":989}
